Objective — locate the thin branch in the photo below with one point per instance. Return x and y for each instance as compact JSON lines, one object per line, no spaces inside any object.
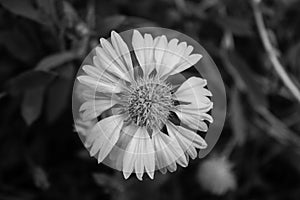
{"x":272,"y":52}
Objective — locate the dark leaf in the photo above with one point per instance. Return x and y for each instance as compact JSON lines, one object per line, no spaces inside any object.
{"x":18,"y":45}
{"x":32,"y":104}
{"x":109,"y":182}
{"x":58,"y":98}
{"x":104,"y":26}
{"x":238,"y":121}
{"x":48,"y":10}
{"x":55,"y":60}
{"x":253,"y":88}
{"x":40,"y":178}
{"x":24,"y":8}
{"x":293,"y":58}
{"x":28,"y":80}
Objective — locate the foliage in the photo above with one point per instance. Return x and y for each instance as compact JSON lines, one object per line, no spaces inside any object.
{"x":42,"y":44}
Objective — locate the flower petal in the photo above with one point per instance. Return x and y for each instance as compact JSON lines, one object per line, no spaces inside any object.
{"x":186,"y":63}
{"x":104,"y":136}
{"x":168,"y":151}
{"x":194,"y":119}
{"x":122,"y":51}
{"x":98,"y":85}
{"x":193,"y":91}
{"x":173,"y":55}
{"x":144,"y":51}
{"x":193,"y":114}
{"x":186,"y":138}
{"x":117,"y":153}
{"x":139,"y":155}
{"x":109,"y":62}
{"x":159,"y":52}
{"x":93,"y":108}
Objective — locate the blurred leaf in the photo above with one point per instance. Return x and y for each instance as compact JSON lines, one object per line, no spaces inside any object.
{"x":66,"y":71}
{"x":24,"y":8}
{"x":293,"y":58}
{"x":238,"y":121}
{"x":254,"y":89}
{"x":32,"y":104}
{"x":104,"y":26}
{"x":18,"y":45}
{"x":48,"y":9}
{"x":112,"y":184}
{"x":28,"y":80}
{"x":237,"y":26}
{"x":40,"y":178}
{"x":57,"y":98}
{"x":279,"y":130}
{"x":55,"y":60}
{"x":120,"y":23}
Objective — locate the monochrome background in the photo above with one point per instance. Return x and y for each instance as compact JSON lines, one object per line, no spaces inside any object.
{"x":42,"y":45}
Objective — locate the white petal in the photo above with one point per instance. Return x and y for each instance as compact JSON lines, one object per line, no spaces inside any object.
{"x":139,"y":155}
{"x":109,"y":63}
{"x":193,"y":91}
{"x":104,"y":136}
{"x":192,"y":152}
{"x":100,"y":71}
{"x":99,"y":86}
{"x":149,"y":54}
{"x":93,"y":108}
{"x":168,"y":151}
{"x":139,"y":163}
{"x":186,"y":138}
{"x":194,"y":120}
{"x":187,"y":63}
{"x":138,"y":46}
{"x":172,"y":57}
{"x":130,"y":157}
{"x":144,"y":51}
{"x":149,"y":158}
{"x":159,"y":52}
{"x":125,"y":137}
{"x":188,"y":51}
{"x":122,"y":51}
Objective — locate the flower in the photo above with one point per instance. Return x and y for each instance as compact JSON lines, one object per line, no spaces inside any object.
{"x":137,"y":105}
{"x":215,"y":175}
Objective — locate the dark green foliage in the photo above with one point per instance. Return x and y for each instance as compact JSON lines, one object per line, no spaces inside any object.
{"x":42,"y":45}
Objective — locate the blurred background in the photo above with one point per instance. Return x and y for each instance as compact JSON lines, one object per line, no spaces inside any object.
{"x":42,"y":45}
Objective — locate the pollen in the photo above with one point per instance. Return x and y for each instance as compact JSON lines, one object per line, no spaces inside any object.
{"x":150,"y":102}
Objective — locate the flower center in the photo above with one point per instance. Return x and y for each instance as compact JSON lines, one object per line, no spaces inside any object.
{"x":149,"y":103}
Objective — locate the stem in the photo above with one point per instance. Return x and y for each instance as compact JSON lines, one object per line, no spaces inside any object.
{"x":271,"y":51}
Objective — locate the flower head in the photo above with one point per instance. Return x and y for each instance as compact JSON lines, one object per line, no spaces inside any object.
{"x":137,"y":103}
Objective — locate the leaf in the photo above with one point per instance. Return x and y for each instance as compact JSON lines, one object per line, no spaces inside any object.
{"x":24,"y":8}
{"x":109,"y":23}
{"x":256,"y":95}
{"x":18,"y":45}
{"x":110,"y":183}
{"x":238,"y":121}
{"x":55,"y":60}
{"x":58,"y":98}
{"x":31,"y":105}
{"x":293,"y":57}
{"x":28,"y":80}
{"x":120,"y":22}
{"x":48,"y":9}
{"x":40,"y":178}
